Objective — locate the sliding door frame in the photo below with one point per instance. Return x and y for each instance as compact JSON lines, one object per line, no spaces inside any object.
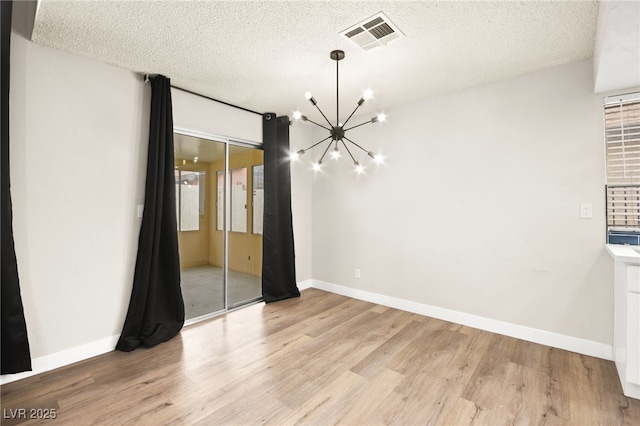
{"x":228,"y":141}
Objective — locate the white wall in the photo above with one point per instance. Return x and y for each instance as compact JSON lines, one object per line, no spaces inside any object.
{"x":79,"y":133}
{"x":477,"y":207}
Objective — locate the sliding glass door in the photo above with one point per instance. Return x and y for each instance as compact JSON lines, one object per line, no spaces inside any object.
{"x":219,"y":210}
{"x":244,"y":268}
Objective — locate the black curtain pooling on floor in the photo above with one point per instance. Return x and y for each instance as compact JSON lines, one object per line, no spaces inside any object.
{"x":278,"y":251}
{"x":156,"y":308}
{"x":16,"y":356}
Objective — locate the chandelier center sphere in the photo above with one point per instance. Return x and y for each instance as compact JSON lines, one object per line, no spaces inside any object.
{"x":337,"y":133}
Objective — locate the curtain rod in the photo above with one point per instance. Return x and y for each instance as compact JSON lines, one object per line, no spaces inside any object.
{"x":216,"y":100}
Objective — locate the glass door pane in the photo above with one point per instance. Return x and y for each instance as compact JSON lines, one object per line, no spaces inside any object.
{"x":244,"y":270}
{"x":200,"y":171}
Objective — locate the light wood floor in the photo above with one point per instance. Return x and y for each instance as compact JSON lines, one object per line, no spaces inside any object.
{"x":327,"y":359}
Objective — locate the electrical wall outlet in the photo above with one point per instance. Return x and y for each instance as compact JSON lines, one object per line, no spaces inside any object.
{"x":357,"y":274}
{"x":586,"y":211}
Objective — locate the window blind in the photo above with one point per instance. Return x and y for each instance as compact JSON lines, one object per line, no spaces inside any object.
{"x":622,"y":133}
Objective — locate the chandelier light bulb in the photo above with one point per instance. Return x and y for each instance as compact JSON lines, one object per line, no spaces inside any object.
{"x":379,"y":159}
{"x":359,"y":169}
{"x":335,"y":154}
{"x":381,"y":118}
{"x":316,"y":167}
{"x":297,"y":115}
{"x":368,"y":94}
{"x":310,"y":98}
{"x":294,"y":156}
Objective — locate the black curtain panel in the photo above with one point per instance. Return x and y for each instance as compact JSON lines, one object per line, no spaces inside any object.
{"x":16,"y":356}
{"x":278,"y":253}
{"x":156,"y":309}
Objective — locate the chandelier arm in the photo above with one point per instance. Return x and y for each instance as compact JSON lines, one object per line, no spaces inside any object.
{"x":345,"y":147}
{"x":325,"y":117}
{"x":358,"y":125}
{"x":324,"y":153}
{"x":356,"y":145}
{"x":349,"y":118}
{"x":317,"y":143}
{"x":319,"y":125}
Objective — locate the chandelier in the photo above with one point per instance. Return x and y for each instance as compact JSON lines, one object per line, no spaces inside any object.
{"x":337,"y":133}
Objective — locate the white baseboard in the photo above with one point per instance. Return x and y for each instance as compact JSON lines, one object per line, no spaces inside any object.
{"x":561,"y":341}
{"x":60,"y":359}
{"x":303,"y":285}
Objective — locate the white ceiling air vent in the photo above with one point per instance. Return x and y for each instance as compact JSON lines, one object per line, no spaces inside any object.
{"x":373,"y":32}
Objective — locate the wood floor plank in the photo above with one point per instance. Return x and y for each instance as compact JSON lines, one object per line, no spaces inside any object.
{"x":336,"y":316}
{"x":327,"y":359}
{"x":531,"y":355}
{"x":422,"y":404}
{"x":322,"y":406}
{"x":463,"y":413}
{"x":524,"y":397}
{"x":469,"y":355}
{"x":586,"y":384}
{"x":379,"y":358}
{"x":363,"y":403}
{"x":483,"y":387}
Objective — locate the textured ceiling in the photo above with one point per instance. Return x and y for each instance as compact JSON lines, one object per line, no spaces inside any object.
{"x":264,"y":55}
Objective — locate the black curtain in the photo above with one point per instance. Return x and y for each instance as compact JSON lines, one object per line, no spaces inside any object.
{"x":156,"y":309}
{"x":278,"y":253}
{"x":16,"y":356}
